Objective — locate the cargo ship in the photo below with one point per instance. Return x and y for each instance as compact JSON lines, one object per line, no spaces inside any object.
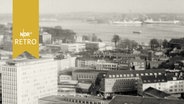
{"x":125,"y":22}
{"x":151,"y":21}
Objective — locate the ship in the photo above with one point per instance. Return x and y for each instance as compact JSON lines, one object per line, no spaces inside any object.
{"x":137,"y":32}
{"x":151,"y":21}
{"x":126,"y":22}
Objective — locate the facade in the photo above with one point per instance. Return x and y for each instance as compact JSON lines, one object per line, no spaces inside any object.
{"x":46,"y":38}
{"x":105,"y":65}
{"x":73,"y":47}
{"x":67,"y":86}
{"x":1,"y":39}
{"x":78,"y":38}
{"x":86,"y":62}
{"x":137,"y":64}
{"x":88,"y":76}
{"x":68,"y":62}
{"x":172,"y":83}
{"x":25,"y":81}
{"x":121,"y":81}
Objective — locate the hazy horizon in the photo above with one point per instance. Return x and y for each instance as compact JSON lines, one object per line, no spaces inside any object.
{"x":104,"y":6}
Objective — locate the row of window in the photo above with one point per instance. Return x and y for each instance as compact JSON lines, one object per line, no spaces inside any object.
{"x":133,"y":75}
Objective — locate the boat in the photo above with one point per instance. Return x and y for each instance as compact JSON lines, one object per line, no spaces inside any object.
{"x":137,"y":32}
{"x":151,"y":21}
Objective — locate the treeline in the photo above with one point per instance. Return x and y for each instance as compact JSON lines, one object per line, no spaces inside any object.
{"x":92,"y":38}
{"x":124,"y":43}
{"x":174,"y":49}
{"x":58,"y":33}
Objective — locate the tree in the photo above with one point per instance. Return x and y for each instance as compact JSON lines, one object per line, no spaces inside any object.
{"x":126,"y":43}
{"x":116,"y":39}
{"x":154,"y":43}
{"x":86,"y":37}
{"x":94,"y":38}
{"x":99,"y":40}
{"x":165,"y":43}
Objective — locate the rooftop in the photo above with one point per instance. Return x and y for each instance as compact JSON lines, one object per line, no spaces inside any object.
{"x":118,"y":72}
{"x":27,"y":61}
{"x":63,"y":100}
{"x":153,"y":79}
{"x":156,"y":93}
{"x":142,"y":100}
{"x":90,"y":71}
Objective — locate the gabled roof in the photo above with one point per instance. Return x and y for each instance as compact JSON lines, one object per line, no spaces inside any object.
{"x":155,"y":93}
{"x":126,"y":100}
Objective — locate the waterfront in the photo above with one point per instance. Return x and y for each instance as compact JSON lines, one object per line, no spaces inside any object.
{"x":106,"y":31}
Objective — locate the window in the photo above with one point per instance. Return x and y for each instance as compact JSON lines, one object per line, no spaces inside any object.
{"x":137,"y":75}
{"x":131,"y":75}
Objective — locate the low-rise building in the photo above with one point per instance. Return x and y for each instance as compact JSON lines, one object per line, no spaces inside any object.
{"x":45,"y":38}
{"x":86,"y":62}
{"x":65,"y":63}
{"x":137,"y":64}
{"x":171,"y":83}
{"x":1,"y":39}
{"x":106,"y":65}
{"x":121,"y":81}
{"x":78,"y":38}
{"x":67,"y":86}
{"x":73,"y":47}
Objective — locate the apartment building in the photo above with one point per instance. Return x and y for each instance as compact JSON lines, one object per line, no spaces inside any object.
{"x":25,"y":81}
{"x":120,"y":81}
{"x":172,"y":83}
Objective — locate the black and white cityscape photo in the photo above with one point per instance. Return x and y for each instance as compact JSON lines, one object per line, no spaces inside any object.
{"x":97,"y":52}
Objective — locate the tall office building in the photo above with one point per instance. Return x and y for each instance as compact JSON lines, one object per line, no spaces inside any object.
{"x":25,"y":81}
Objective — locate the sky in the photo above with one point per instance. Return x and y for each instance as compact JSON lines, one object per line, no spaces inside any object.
{"x":122,"y":6}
